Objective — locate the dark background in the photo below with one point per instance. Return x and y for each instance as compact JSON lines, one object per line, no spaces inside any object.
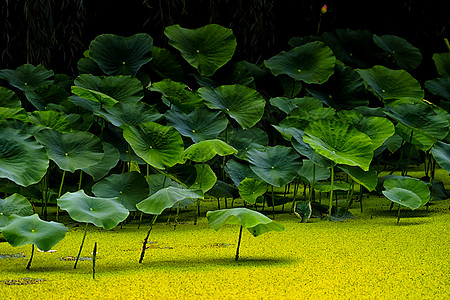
{"x":56,"y":32}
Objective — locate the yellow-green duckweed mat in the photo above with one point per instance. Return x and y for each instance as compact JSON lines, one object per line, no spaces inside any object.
{"x":370,"y":257}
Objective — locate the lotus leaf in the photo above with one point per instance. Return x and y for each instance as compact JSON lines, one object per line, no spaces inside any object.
{"x":165,"y":198}
{"x":8,"y":98}
{"x":43,"y":95}
{"x":309,"y":171}
{"x":14,"y":204}
{"x":178,"y":94}
{"x":130,"y":114}
{"x":27,"y":77}
{"x":442,"y":62}
{"x":166,"y":65}
{"x":50,"y":119}
{"x":159,"y":146}
{"x":405,"y":55}
{"x":207,"y":48}
{"x":130,"y":188}
{"x":245,"y":140}
{"x":102,"y":212}
{"x":406,"y":191}
{"x":108,"y":161}
{"x":13,"y":113}
{"x":22,"y":159}
{"x":277,"y":165}
{"x":32,"y":230}
{"x":368,"y":179}
{"x":439,"y":87}
{"x":238,"y":172}
{"x":117,"y":55}
{"x":441,"y":153}
{"x":250,"y":189}
{"x":288,"y":104}
{"x":312,"y":63}
{"x":206,"y":178}
{"x":206,"y":150}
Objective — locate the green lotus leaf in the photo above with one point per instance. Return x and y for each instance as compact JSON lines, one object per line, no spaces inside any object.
{"x":27,"y":77}
{"x":368,"y":179}
{"x":32,"y":230}
{"x":250,"y":189}
{"x":241,"y":103}
{"x":344,"y":90}
{"x":130,"y":188}
{"x":405,"y":55}
{"x":417,"y":137}
{"x":442,"y":62}
{"x":102,"y":212}
{"x":340,"y":142}
{"x":289,"y":104}
{"x":238,"y":171}
{"x":14,"y":204}
{"x":312,"y":63}
{"x":8,"y":98}
{"x":255,"y":222}
{"x":325,"y":187}
{"x":394,"y":142}
{"x":441,"y":153}
{"x":159,"y":146}
{"x":377,"y":128}
{"x":305,"y":149}
{"x":207,"y":48}
{"x":73,"y":150}
{"x":206,"y":178}
{"x":118,"y":55}
{"x":199,"y":125}
{"x":303,"y":210}
{"x":166,"y":65}
{"x":108,"y":161}
{"x":277,"y":165}
{"x":13,"y":113}
{"x":50,"y":119}
{"x":309,"y":171}
{"x":43,"y":95}
{"x":405,"y":191}
{"x":87,"y":65}
{"x":165,"y":198}
{"x":439,"y":87}
{"x":421,"y":117}
{"x":206,"y":150}
{"x":178,"y":94}
{"x":130,"y":114}
{"x":22,"y":159}
{"x":245,"y":140}
{"x":391,"y":84}
{"x":108,"y":90}
{"x":314,"y":114}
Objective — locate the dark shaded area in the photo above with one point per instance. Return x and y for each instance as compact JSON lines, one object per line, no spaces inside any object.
{"x":55,"y":33}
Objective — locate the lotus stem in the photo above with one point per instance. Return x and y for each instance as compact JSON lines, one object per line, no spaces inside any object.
{"x":31,"y":257}
{"x":81,"y":246}
{"x":59,"y":194}
{"x":296,"y":185}
{"x":405,"y":172}
{"x":273,"y":204}
{"x":398,"y":214}
{"x":350,"y":194}
{"x":331,"y":194}
{"x":144,"y":244}
{"x":311,"y":188}
{"x":447,"y":43}
{"x":81,"y":178}
{"x":239,"y":244}
{"x":94,"y":257}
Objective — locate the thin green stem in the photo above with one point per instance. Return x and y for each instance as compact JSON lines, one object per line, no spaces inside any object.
{"x":238,"y":244}
{"x":311,"y":189}
{"x":447,"y":43}
{"x":273,"y":204}
{"x":144,"y":244}
{"x":31,"y":257}
{"x":59,"y":194}
{"x":80,"y":180}
{"x":81,"y":246}
{"x":94,"y":257}
{"x":331,"y":194}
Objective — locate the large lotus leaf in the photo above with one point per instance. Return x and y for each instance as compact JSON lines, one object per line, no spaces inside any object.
{"x":46,"y":94}
{"x":102,"y":212}
{"x":405,"y":55}
{"x":377,"y":128}
{"x":417,"y":137}
{"x":206,"y":150}
{"x":178,"y":94}
{"x":288,"y":104}
{"x":245,"y":140}
{"x":409,"y":192}
{"x":391,"y":84}
{"x":369,"y":179}
{"x":441,"y":153}
{"x":159,"y":146}
{"x":199,"y":125}
{"x":344,"y":90}
{"x":27,"y":77}
{"x":108,"y":161}
{"x":130,"y":114}
{"x":353,"y":47}
{"x":22,"y":159}
{"x":118,"y":55}
{"x":238,"y":171}
{"x":340,"y":142}
{"x":166,"y":65}
{"x":277,"y":165}
{"x":14,"y":204}
{"x":255,"y":222}
{"x":130,"y":188}
{"x":8,"y":98}
{"x":165,"y":198}
{"x":207,"y":48}
{"x":108,"y":90}
{"x":439,"y":87}
{"x":50,"y":119}
{"x":87,"y":65}
{"x":206,"y":178}
{"x":13,"y":113}
{"x":312,"y":171}
{"x":241,"y":103}
{"x":73,"y":150}
{"x":422,"y":117}
{"x":250,"y":189}
{"x":312,"y":63}
{"x":394,"y":142}
{"x":32,"y":230}
{"x":442,"y":62}
{"x":305,"y":149}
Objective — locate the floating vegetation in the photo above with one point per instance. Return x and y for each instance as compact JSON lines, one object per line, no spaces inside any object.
{"x":17,"y":255}
{"x":23,"y":281}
